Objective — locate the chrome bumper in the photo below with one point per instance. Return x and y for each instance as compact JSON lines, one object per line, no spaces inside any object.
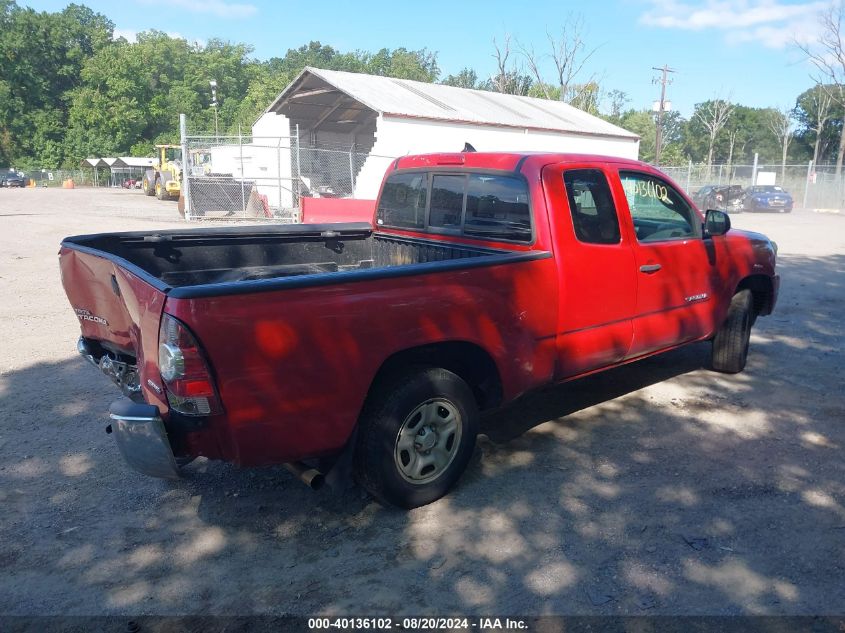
{"x":142,"y":439}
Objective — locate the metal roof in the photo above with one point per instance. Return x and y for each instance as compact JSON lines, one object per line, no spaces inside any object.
{"x":316,"y":90}
{"x":134,"y":161}
{"x":123,"y":161}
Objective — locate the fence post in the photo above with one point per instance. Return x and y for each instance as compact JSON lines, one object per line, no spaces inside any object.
{"x":279,"y":171}
{"x":720,"y":174}
{"x":186,"y":165}
{"x":241,"y":152}
{"x":807,"y":183}
{"x":754,"y":170}
{"x":689,"y":173}
{"x":351,"y":170}
{"x":298,"y":169}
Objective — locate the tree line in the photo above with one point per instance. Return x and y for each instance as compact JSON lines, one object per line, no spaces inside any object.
{"x":69,"y":89}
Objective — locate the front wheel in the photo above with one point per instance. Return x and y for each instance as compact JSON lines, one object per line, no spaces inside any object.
{"x":161,"y":192}
{"x":147,"y":186}
{"x":730,"y":345}
{"x":416,"y":437}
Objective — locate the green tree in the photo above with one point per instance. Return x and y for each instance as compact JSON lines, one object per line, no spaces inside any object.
{"x":618,"y":99}
{"x":401,"y":63}
{"x":819,"y":118}
{"x":466,"y":78}
{"x":745,"y":133}
{"x":642,"y":122}
{"x":132,"y":93}
{"x":42,"y":58}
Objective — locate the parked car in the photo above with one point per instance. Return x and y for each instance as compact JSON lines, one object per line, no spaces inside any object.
{"x":724,"y":197}
{"x":375,"y":347}
{"x":767,"y":198}
{"x":12,"y":179}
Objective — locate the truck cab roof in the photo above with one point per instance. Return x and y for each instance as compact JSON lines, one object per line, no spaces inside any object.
{"x":507,"y":161}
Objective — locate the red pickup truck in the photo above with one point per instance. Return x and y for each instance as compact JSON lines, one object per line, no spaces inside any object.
{"x":482,"y":277}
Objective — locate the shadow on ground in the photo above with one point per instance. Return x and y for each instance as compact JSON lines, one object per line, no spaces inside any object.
{"x":656,"y":488}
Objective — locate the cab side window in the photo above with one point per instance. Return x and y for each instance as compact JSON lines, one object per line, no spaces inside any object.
{"x":497,"y":208}
{"x":591,"y":205}
{"x":403,"y":201}
{"x":659,"y":212}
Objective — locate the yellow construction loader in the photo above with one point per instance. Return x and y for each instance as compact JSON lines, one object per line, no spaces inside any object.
{"x":164,"y":179}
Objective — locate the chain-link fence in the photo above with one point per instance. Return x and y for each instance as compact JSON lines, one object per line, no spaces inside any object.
{"x":57,"y":177}
{"x":811,"y":186}
{"x":122,"y":177}
{"x":264,"y":177}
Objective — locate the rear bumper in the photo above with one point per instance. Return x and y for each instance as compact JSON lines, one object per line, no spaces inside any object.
{"x":142,"y":439}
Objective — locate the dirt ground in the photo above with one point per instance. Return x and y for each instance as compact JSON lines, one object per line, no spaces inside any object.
{"x":657,"y":488}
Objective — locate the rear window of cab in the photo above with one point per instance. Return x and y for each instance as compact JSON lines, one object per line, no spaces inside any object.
{"x":480,"y":205}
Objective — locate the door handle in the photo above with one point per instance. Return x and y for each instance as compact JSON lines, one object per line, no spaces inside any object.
{"x":650,"y":268}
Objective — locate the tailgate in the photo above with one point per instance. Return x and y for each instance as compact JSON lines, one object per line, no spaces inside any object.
{"x":118,"y":313}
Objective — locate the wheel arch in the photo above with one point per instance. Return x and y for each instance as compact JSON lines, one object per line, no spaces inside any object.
{"x":469,"y":361}
{"x":762,"y":290}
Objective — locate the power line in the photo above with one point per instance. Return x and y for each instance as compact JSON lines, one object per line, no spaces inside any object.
{"x":663,"y":80}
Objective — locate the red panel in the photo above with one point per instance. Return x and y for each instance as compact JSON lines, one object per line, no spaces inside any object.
{"x":132,"y":316}
{"x":293,"y":367}
{"x":329,"y":210}
{"x":598,"y":288}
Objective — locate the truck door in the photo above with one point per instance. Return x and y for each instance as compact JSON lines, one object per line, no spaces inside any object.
{"x":674,"y":294}
{"x":595,"y":269}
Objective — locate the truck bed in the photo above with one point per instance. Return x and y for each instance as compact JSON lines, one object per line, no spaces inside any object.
{"x":209,"y":262}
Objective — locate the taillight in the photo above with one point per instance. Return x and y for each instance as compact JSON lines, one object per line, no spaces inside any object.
{"x":187,"y":380}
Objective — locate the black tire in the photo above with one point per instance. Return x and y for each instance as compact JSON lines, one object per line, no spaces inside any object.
{"x":149,"y":188}
{"x":730,"y":345}
{"x":160,"y":191}
{"x":393,"y":407}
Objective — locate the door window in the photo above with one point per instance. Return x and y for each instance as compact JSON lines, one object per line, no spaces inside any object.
{"x":659,"y":212}
{"x":591,"y":205}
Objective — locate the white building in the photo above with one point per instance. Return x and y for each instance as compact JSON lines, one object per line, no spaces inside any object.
{"x":372,"y":119}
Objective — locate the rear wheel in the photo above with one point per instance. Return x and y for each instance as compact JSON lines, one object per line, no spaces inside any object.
{"x":416,"y":437}
{"x":730,"y":345}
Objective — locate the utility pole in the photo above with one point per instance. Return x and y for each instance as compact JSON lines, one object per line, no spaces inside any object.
{"x":660,"y":107}
{"x":213,"y":84}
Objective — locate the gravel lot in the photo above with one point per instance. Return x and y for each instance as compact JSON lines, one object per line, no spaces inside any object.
{"x":657,"y":488}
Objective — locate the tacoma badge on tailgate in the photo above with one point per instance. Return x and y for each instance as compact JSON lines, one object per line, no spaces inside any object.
{"x":85,"y":315}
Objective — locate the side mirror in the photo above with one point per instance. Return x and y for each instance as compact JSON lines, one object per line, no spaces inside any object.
{"x":716,"y":223}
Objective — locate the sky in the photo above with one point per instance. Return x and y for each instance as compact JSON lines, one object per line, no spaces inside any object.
{"x":738,"y":49}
